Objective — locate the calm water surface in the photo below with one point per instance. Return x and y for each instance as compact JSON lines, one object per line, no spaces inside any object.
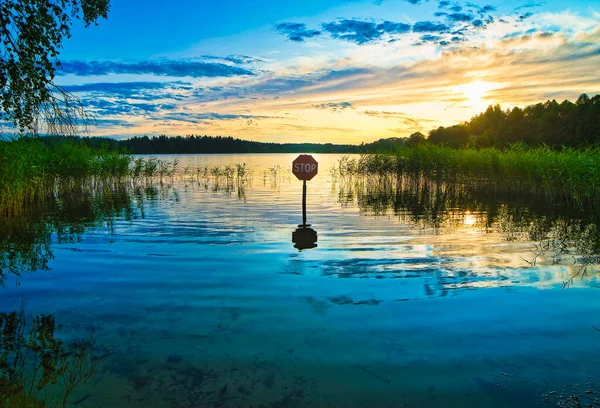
{"x":415,"y":296}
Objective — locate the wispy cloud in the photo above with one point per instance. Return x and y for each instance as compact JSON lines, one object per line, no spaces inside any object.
{"x":362,"y":71}
{"x":384,"y":114}
{"x":430,"y":27}
{"x":193,"y":117}
{"x":361,"y":32}
{"x":112,"y":123}
{"x":116,"y":107}
{"x":334,"y":106}
{"x":457,"y":17}
{"x":296,"y":32}
{"x":235,"y":59}
{"x":530,"y":4}
{"x":172,"y":68}
{"x":137,"y":90}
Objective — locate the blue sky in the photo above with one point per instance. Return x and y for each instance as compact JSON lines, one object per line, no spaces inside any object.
{"x":325,"y":71}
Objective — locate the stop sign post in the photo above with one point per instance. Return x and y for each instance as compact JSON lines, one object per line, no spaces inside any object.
{"x":305,"y":167}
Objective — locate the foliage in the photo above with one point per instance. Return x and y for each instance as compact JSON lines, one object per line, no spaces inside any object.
{"x":29,"y":168}
{"x":568,"y":174}
{"x":550,"y":123}
{"x":31,"y":35}
{"x":217,"y":144}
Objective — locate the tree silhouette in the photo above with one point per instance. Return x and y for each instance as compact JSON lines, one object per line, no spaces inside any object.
{"x":551,"y":123}
{"x":31,"y":35}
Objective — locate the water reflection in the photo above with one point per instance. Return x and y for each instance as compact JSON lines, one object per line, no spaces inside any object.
{"x":304,"y":238}
{"x":26,"y":240}
{"x":37,"y":368}
{"x":194,"y":284}
{"x":559,"y":233}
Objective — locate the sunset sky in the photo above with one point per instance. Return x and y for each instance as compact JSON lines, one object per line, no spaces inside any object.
{"x":346,"y":71}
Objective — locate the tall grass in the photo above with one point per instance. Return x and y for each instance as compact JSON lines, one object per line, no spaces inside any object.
{"x":29,"y":169}
{"x":32,"y":171}
{"x":569,"y":175}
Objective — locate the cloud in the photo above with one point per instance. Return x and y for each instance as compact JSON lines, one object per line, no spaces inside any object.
{"x":429,"y":27}
{"x":306,"y":128}
{"x":459,"y":17}
{"x":144,"y":91}
{"x":242,"y":59}
{"x":117,"y":107}
{"x":481,"y":10}
{"x":137,"y":90}
{"x":384,"y":114}
{"x":361,"y":32}
{"x":234,"y":59}
{"x":364,"y":31}
{"x":334,"y":106}
{"x":410,"y":123}
{"x":525,"y":16}
{"x":528,"y":5}
{"x":296,"y":32}
{"x":356,"y":31}
{"x":430,"y":38}
{"x":192,"y":117}
{"x":109,"y":123}
{"x":272,"y":85}
{"x":394,"y":28}
{"x":175,"y":68}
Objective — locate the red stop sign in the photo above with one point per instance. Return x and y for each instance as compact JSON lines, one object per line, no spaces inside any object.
{"x":305,"y":167}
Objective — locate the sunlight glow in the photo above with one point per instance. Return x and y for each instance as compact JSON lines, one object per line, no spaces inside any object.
{"x":469,"y":219}
{"x":475,"y":92}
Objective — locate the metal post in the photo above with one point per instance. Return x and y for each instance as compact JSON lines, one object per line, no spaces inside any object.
{"x":304,"y":204}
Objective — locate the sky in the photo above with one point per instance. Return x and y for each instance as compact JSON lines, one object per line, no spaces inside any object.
{"x":339,"y":71}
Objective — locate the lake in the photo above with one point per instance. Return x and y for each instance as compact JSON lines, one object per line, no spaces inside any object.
{"x":418,"y":293}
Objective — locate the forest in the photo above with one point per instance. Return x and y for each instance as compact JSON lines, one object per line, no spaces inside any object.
{"x":550,"y":124}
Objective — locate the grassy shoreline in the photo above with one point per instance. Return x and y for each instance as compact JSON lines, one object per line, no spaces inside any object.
{"x":30,"y":169}
{"x":571,"y":175}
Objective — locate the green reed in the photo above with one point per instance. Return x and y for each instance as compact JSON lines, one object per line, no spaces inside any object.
{"x":569,"y":175}
{"x":30,"y":169}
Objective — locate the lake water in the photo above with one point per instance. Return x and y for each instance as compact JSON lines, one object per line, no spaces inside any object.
{"x":418,"y":294}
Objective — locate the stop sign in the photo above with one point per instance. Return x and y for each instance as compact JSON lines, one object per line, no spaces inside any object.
{"x":305,"y":167}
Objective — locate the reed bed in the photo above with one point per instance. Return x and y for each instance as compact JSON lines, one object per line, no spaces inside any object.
{"x":31,"y":171}
{"x":567,"y":175}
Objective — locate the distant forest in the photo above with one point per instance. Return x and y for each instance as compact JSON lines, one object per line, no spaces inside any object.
{"x":551,"y":123}
{"x":218,"y":144}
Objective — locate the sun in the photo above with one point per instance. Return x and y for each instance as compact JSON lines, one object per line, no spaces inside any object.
{"x":475,"y":92}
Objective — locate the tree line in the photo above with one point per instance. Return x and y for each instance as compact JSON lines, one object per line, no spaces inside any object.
{"x":551,"y":123}
{"x":193,"y":144}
